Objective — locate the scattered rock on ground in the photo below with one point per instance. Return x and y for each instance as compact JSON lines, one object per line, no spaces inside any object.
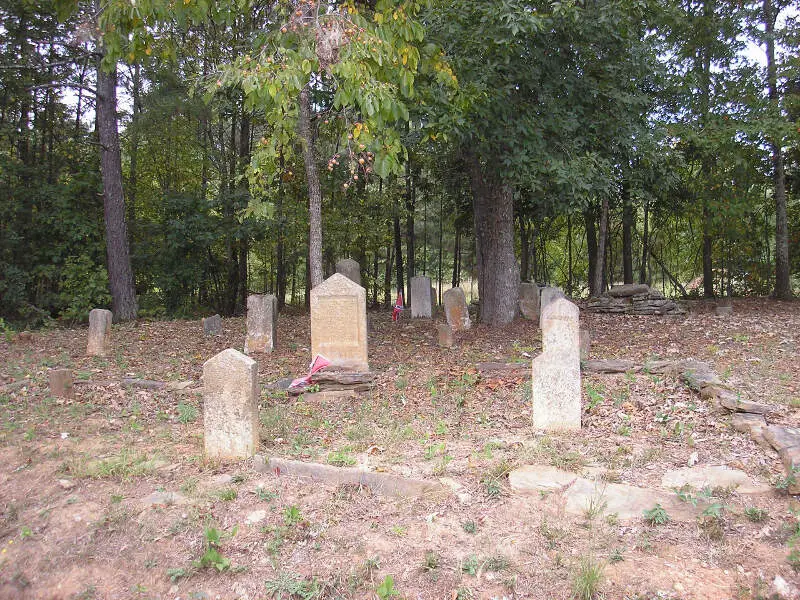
{"x":626,"y":501}
{"x":713,"y":477}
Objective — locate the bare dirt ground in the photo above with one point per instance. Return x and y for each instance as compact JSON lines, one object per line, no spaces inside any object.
{"x":108,"y":495}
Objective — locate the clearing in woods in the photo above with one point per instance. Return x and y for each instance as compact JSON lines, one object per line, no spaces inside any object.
{"x":108,"y":495}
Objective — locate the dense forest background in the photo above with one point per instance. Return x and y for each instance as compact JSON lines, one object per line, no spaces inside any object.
{"x":246,"y":146}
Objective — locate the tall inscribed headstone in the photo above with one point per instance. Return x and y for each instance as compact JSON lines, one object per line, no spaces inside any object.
{"x":556,"y":375}
{"x":456,"y":310}
{"x":99,"y":342}
{"x":262,"y":323}
{"x":339,"y":323}
{"x":421,"y":297}
{"x":230,"y":405}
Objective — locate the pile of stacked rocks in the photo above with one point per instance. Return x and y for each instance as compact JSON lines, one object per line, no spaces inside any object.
{"x":634,"y":299}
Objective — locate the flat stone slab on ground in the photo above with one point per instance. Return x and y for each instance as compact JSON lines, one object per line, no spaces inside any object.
{"x":782,"y":437}
{"x":628,"y":289}
{"x":733,"y":401}
{"x":626,"y":501}
{"x":610,"y":366}
{"x":713,"y":477}
{"x":749,"y":423}
{"x":164,"y":499}
{"x":380,"y":483}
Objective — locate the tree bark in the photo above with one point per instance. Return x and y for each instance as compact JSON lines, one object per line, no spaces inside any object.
{"x":498,"y":272}
{"x":645,"y":244}
{"x":120,"y":273}
{"x":783,"y":285}
{"x":411,"y":268}
{"x":708,"y":247}
{"x":524,"y":248}
{"x":602,"y":234}
{"x":590,"y":224}
{"x":398,"y":252}
{"x":627,"y":235}
{"x":314,"y":191}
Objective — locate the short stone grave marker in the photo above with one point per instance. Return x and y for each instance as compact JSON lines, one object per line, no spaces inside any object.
{"x":230,"y":405}
{"x":262,"y":323}
{"x":421,"y":297}
{"x":212,"y":325}
{"x":99,"y":343}
{"x":350,"y":269}
{"x":455,"y":309}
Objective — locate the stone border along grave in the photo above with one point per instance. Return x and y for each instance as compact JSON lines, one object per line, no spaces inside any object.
{"x":747,"y":417}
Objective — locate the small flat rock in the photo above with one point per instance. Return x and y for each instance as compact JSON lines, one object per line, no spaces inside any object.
{"x":713,"y":477}
{"x":628,"y":289}
{"x":164,"y":499}
{"x":782,"y":437}
{"x":256,"y":517}
{"x":748,"y":423}
{"x":734,"y":402}
{"x":380,"y":483}
{"x":177,"y":386}
{"x":66,"y":484}
{"x":626,"y":501}
{"x":609,"y":366}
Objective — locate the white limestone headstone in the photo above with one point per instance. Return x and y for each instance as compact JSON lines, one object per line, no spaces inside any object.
{"x":230,"y":405}
{"x":556,"y":373}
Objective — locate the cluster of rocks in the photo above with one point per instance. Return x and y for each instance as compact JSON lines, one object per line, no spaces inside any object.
{"x":634,"y":299}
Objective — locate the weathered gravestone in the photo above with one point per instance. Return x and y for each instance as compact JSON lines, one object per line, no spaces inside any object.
{"x":350,"y":269}
{"x":445,"y":335}
{"x":421,"y":303}
{"x":586,"y":343}
{"x":212,"y":325}
{"x":529,"y":301}
{"x":262,"y":323}
{"x":455,"y":309}
{"x":339,"y":323}
{"x":556,"y":381}
{"x":547,"y":295}
{"x":99,"y":343}
{"x":60,"y":381}
{"x":230,"y":405}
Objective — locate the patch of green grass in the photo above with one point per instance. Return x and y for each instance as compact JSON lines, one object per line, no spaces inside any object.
{"x":265,"y":495}
{"x":292,"y":515}
{"x":125,"y":465}
{"x":755,"y":514}
{"x":586,"y":579}
{"x":595,"y":394}
{"x":187,"y":413}
{"x":470,"y":526}
{"x":341,"y":458}
{"x":290,"y":585}
{"x":227,"y":495}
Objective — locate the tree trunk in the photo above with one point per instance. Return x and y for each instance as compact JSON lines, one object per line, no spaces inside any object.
{"x":280,"y":259}
{"x":498,"y":272}
{"x":627,"y":237}
{"x":524,"y":243}
{"x":120,"y":273}
{"x":387,"y":278}
{"x":590,"y":225}
{"x":783,"y":285}
{"x":569,"y":255}
{"x":398,"y":252}
{"x":314,"y":191}
{"x":411,"y":268}
{"x":708,"y":270}
{"x":645,"y":245}
{"x":597,"y":284}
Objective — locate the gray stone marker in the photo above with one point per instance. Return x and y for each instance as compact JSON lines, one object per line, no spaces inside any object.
{"x":455,"y":309}
{"x":350,"y":269}
{"x":445,"y":335}
{"x":212,"y":325}
{"x":548,"y":294}
{"x":421,"y":297}
{"x":99,"y":343}
{"x":60,"y":381}
{"x":529,"y":301}
{"x":339,"y":323}
{"x":556,"y":376}
{"x":434,"y":299}
{"x":230,"y":405}
{"x":586,"y":343}
{"x":262,"y":323}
